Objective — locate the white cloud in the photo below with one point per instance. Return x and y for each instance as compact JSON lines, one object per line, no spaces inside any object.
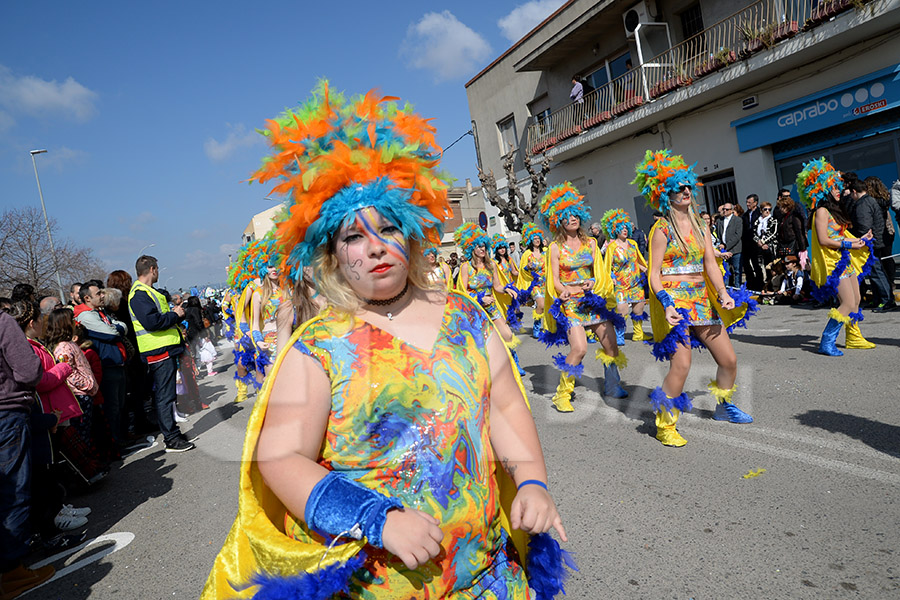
{"x":440,"y":43}
{"x":28,"y":94}
{"x":238,"y":137}
{"x":61,"y":157}
{"x":526,"y":17}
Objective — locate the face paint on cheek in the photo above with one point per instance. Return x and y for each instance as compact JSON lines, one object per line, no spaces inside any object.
{"x":367,"y":223}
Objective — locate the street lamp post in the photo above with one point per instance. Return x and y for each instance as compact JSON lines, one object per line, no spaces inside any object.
{"x":141,"y":251}
{"x":62,"y":295}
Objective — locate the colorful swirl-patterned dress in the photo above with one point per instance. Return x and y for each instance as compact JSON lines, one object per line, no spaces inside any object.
{"x":481,"y":285}
{"x":624,"y":264}
{"x":413,"y":424}
{"x":268,"y":325}
{"x":576,"y":268}
{"x":691,"y":296}
{"x":532,"y":265}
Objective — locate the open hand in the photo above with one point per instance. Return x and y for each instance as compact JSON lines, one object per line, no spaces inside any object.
{"x":412,"y":536}
{"x":533,"y":511}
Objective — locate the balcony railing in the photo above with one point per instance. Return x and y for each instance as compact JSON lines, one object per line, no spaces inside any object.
{"x":752,"y":29}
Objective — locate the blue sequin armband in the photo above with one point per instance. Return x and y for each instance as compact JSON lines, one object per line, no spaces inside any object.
{"x":664,"y":298}
{"x":340,"y":506}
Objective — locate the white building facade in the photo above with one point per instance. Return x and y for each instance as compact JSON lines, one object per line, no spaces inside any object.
{"x":747,"y":90}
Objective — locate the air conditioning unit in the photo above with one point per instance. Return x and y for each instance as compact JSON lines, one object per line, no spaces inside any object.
{"x":639,"y":13}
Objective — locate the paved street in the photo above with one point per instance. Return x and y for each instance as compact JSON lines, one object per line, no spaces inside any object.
{"x":645,"y":521}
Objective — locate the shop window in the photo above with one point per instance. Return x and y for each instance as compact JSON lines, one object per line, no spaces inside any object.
{"x":508,"y":137}
{"x":691,"y":21}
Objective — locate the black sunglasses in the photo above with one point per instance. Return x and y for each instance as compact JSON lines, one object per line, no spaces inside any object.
{"x":682,"y":188}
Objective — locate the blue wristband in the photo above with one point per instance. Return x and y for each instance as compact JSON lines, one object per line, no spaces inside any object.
{"x":664,"y":298}
{"x":532,"y":482}
{"x":257,"y":336}
{"x":847,"y":245}
{"x":340,"y":506}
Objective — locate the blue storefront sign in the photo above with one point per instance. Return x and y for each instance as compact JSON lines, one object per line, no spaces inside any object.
{"x":852,"y":100}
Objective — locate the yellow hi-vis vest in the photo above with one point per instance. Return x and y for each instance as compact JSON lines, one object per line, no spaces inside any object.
{"x":148,"y":341}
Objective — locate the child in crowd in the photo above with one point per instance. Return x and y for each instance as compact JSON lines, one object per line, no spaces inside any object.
{"x":208,"y":354}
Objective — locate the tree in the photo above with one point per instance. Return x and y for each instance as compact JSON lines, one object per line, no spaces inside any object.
{"x":25,"y":255}
{"x":513,"y":208}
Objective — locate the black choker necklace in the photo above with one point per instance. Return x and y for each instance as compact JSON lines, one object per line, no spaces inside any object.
{"x":389,"y":301}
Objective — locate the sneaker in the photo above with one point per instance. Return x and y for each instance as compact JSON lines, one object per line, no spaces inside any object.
{"x":64,"y":540}
{"x":69,"y":522}
{"x":17,"y":581}
{"x":179,"y":418}
{"x":726,"y":411}
{"x":70,"y":510}
{"x":179,"y":445}
{"x":213,"y":373}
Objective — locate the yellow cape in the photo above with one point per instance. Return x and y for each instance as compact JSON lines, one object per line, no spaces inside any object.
{"x":661,"y":327}
{"x":603,"y":285}
{"x":822,"y":260}
{"x":501,"y":300}
{"x":525,"y":278}
{"x":608,"y":258}
{"x":257,"y":542}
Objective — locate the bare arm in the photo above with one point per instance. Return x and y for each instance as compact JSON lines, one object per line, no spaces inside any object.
{"x":256,"y":318}
{"x":822,"y":216}
{"x":464,"y":277}
{"x":561,"y":290}
{"x":514,"y":439}
{"x":658,"y":250}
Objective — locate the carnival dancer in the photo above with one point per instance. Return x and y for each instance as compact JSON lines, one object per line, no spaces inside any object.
{"x":580,"y":293}
{"x":509,"y":274}
{"x":241,"y":278}
{"x":531,"y":272}
{"x":268,"y":308}
{"x":839,"y":260}
{"x":692,"y":307}
{"x":481,"y":280}
{"x":440,"y":274}
{"x":627,"y":267}
{"x":368,"y":463}
{"x":509,"y":270}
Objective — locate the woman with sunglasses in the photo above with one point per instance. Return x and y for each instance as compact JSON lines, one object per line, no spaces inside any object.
{"x":765,"y":236}
{"x":690,"y":306}
{"x":627,"y":268}
{"x":531,"y":272}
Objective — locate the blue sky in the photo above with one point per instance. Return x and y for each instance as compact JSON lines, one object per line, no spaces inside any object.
{"x":148,"y":110}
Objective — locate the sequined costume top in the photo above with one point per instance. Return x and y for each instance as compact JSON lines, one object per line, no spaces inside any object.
{"x":413,"y":423}
{"x":505,"y":270}
{"x":678,"y":260}
{"x":625,"y":270}
{"x":576,"y":266}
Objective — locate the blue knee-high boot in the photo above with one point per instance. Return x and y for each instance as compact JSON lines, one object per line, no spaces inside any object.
{"x":612,"y":387}
{"x":620,"y":336}
{"x":835,"y":321}
{"x":536,"y":330}
{"x":518,"y":366}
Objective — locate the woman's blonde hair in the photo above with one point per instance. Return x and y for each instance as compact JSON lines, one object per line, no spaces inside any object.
{"x":338,"y":294}
{"x":696,"y":225}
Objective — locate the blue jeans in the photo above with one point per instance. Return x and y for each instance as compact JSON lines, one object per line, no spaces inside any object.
{"x":880,"y":283}
{"x":15,"y":486}
{"x":163,"y":375}
{"x":113,"y":388}
{"x":734,"y":268}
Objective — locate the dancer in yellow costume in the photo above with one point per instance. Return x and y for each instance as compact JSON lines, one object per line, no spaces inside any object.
{"x":531,"y":271}
{"x":691,"y":307}
{"x":839,"y":260}
{"x":369,"y":464}
{"x":439,"y":274}
{"x":271,"y":314}
{"x":580,"y":293}
{"x":627,"y":267}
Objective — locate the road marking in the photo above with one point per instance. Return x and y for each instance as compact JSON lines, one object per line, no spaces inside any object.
{"x":810,"y":459}
{"x":119,"y":541}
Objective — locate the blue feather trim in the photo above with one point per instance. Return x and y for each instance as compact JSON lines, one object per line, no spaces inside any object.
{"x":659,"y":400}
{"x":679,"y":334}
{"x":856,"y":317}
{"x":870,"y":262}
{"x":830,"y":288}
{"x":514,"y":313}
{"x":546,"y":566}
{"x":560,"y":336}
{"x":641,"y":317}
{"x":525,"y":295}
{"x":244,"y":358}
{"x":596,"y":305}
{"x":480,"y":297}
{"x":741,"y":296}
{"x":319,"y":585}
{"x":559,"y":361}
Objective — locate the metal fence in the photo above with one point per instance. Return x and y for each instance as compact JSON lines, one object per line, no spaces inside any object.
{"x":757,"y":27}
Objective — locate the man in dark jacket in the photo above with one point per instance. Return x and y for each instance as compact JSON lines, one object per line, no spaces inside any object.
{"x":753,"y":268}
{"x":867,"y":215}
{"x":160,"y":344}
{"x":20,"y":372}
{"x":730,"y":230}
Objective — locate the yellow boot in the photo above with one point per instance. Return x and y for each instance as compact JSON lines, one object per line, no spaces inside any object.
{"x":562,"y":399}
{"x":638,"y":331}
{"x":855,"y":340}
{"x":241,"y":390}
{"x":665,"y":428}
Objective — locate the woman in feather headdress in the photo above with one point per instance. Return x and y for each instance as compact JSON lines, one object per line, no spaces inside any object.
{"x":440,"y":271}
{"x":531,"y":272}
{"x":581,"y":295}
{"x":691,"y":307}
{"x":627,"y":268}
{"x":839,"y":259}
{"x":368,"y":465}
